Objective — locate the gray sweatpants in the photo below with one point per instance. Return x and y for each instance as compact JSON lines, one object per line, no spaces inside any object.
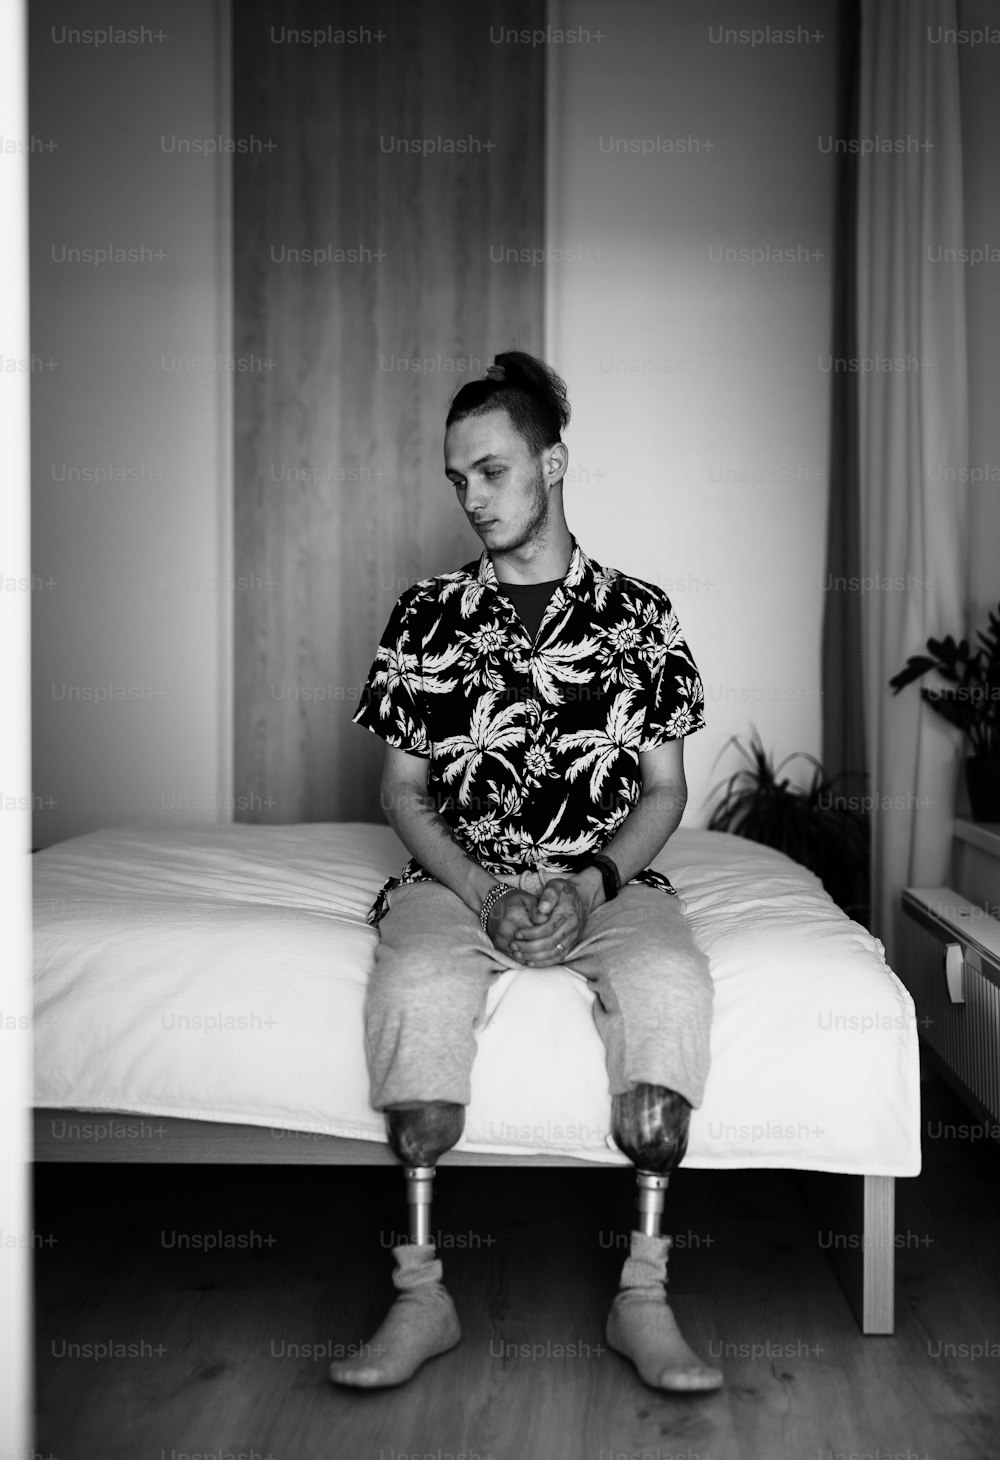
{"x":434,"y":965}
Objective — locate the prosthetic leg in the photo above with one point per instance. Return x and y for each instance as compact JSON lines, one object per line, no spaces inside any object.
{"x":422,"y":1321}
{"x":650,"y":1124}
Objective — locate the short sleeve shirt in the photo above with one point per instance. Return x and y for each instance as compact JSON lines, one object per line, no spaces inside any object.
{"x":533,"y":744}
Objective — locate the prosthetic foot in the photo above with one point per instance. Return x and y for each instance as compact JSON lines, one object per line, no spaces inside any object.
{"x":650,"y":1125}
{"x":422,"y":1322}
{"x":642,"y":1327}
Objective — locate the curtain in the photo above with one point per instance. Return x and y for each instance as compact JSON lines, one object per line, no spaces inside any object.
{"x":912,"y":422}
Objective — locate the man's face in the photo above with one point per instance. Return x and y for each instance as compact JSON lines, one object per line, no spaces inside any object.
{"x":499,"y":484}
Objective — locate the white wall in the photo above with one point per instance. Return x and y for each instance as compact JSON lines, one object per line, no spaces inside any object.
{"x":701,"y":411}
{"x":131,"y":608}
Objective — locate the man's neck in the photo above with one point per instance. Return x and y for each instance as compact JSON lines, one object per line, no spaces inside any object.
{"x":545,"y":562}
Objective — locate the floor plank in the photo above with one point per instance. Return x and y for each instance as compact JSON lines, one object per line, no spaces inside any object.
{"x":233,"y":1343}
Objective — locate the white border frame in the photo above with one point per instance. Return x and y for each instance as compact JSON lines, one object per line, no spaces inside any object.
{"x":15,"y":745}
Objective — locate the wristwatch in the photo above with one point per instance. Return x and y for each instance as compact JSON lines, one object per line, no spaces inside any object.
{"x":609,"y":874}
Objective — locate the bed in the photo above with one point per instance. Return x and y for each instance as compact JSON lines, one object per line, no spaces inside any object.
{"x":200,"y":992}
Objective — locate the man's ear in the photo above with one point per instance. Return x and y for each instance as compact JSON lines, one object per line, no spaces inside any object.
{"x":555,"y":462}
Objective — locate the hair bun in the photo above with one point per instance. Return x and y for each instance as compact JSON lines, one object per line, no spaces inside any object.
{"x":528,"y":390}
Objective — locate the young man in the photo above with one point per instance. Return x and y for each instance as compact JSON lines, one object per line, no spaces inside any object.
{"x":533,"y":706}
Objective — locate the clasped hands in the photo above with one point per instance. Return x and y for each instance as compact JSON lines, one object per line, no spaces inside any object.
{"x":538,"y":931}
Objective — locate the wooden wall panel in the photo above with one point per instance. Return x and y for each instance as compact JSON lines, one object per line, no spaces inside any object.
{"x":340,"y":494}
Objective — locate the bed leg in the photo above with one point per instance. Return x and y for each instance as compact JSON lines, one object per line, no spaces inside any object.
{"x":879,"y":1274}
{"x":856,"y":1217}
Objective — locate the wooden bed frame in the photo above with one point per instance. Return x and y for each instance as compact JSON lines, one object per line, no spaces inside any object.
{"x":861,"y":1206}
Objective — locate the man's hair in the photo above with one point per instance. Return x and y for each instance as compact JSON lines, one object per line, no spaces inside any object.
{"x":531,"y":393}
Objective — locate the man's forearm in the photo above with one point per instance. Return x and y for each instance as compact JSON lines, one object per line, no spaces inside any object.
{"x":425,"y":834}
{"x":646,"y":829}
{"x":415,"y":819}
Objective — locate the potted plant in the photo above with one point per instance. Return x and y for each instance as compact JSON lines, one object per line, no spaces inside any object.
{"x":970,"y":700}
{"x":825,"y":831}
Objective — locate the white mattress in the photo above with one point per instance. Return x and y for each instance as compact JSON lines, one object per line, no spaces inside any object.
{"x":218,"y":973}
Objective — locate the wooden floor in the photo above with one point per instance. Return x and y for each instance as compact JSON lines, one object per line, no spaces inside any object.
{"x":229,"y":1347}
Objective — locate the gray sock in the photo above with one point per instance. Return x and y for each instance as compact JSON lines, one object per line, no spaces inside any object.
{"x":642,"y":1327}
{"x":422,"y":1322}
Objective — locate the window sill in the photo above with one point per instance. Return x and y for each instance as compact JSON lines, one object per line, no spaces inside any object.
{"x":982,"y":834}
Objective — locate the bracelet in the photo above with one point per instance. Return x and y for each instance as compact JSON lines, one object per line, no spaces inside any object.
{"x":498,"y":890}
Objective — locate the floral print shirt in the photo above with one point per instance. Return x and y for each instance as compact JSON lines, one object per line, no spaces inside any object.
{"x":533,"y":746}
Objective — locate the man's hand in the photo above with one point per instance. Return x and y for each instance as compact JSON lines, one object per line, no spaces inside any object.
{"x":507,"y":917}
{"x":556,"y":924}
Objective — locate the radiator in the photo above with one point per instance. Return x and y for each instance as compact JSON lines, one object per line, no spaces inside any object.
{"x":951,"y":966}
